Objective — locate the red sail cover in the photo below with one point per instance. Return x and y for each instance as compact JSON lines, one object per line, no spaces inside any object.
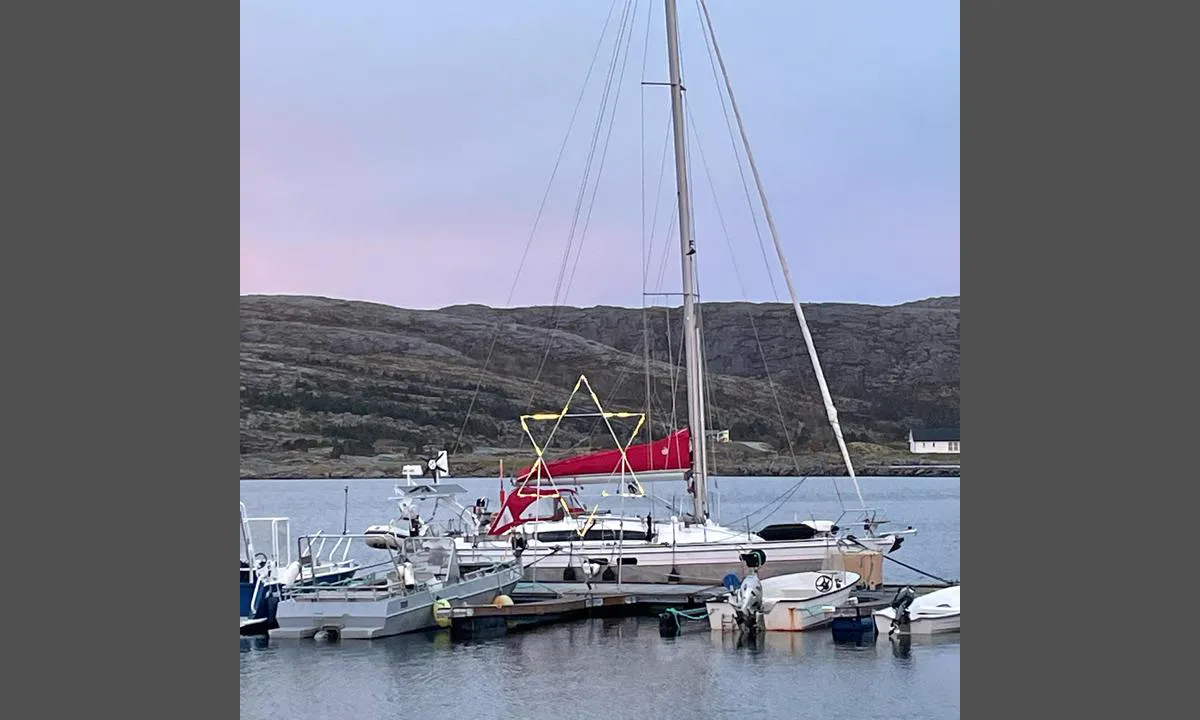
{"x":670,"y":453}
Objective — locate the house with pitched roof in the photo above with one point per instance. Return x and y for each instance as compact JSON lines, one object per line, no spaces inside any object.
{"x":933,"y":440}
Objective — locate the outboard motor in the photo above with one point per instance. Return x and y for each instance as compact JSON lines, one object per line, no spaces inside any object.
{"x":904,"y":597}
{"x":747,"y":603}
{"x":747,"y":599}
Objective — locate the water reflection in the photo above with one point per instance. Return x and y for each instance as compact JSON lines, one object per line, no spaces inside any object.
{"x":787,"y":643}
{"x":901,"y":646}
{"x":618,"y":668}
{"x":645,"y":675}
{"x":253,"y":642}
{"x":905,"y":646}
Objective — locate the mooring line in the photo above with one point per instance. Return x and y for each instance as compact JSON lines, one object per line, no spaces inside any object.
{"x":948,"y":583}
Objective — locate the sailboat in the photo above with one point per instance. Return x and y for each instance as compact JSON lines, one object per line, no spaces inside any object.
{"x":557,"y":537}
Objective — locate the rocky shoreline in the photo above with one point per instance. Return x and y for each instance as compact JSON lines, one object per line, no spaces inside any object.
{"x":386,"y":386}
{"x":869,"y":460}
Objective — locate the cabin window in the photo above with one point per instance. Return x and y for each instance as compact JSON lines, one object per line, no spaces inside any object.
{"x":595,"y":534}
{"x":558,"y":536}
{"x":610,"y":535}
{"x":544,"y":508}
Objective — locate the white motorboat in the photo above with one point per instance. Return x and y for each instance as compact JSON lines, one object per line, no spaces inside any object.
{"x":786,"y":603}
{"x":268,"y":568}
{"x":934,"y":613}
{"x":419,"y":575}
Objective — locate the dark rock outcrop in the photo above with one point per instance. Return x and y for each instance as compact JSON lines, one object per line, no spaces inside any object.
{"x":370,"y":379}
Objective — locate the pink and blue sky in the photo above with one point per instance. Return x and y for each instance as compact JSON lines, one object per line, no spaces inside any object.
{"x":397,"y":151}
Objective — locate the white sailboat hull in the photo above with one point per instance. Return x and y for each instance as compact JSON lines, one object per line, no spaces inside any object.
{"x":699,"y":563}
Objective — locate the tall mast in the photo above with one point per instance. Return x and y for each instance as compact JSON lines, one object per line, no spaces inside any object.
{"x":826,"y":396}
{"x":691,"y":330}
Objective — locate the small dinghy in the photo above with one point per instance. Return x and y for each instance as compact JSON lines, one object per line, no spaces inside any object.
{"x":931,"y":614}
{"x":787,"y":603}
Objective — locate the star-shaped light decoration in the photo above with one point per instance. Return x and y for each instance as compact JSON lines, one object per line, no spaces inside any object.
{"x":557,"y":418}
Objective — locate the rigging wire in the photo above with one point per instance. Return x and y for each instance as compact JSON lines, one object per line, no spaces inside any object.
{"x":557,"y":312}
{"x":729,"y":125}
{"x":831,"y":410}
{"x":642,"y":235}
{"x":536,"y":223}
{"x":742,"y":285}
{"x":778,"y":502}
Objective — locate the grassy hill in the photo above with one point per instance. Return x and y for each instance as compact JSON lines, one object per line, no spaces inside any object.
{"x":352,"y":389}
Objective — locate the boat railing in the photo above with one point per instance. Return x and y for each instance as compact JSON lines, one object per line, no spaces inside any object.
{"x":280,"y":549}
{"x":485,"y":571}
{"x":380,"y":582}
{"x":383,"y":579}
{"x":254,"y":597}
{"x":342,"y":543}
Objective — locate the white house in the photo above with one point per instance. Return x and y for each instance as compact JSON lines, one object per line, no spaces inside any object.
{"x":937,"y":440}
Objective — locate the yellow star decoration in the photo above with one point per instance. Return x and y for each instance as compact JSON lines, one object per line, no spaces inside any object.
{"x":557,"y":418}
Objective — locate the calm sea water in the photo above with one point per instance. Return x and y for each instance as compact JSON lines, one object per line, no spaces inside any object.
{"x":616,"y":668}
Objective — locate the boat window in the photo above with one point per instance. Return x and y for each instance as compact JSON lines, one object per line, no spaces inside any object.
{"x":558,"y":536}
{"x":611,"y":535}
{"x":544,"y":508}
{"x":595,"y":534}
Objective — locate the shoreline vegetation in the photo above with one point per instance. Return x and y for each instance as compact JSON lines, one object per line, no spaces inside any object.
{"x":869,"y":461}
{"x":344,"y":389}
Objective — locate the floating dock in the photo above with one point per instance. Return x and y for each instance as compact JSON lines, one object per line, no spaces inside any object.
{"x":669,"y":593}
{"x":537,"y":604}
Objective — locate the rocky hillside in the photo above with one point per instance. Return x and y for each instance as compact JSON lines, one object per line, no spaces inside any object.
{"x":331,"y":383}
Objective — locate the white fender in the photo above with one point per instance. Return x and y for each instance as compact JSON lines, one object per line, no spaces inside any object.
{"x":290,"y":573}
